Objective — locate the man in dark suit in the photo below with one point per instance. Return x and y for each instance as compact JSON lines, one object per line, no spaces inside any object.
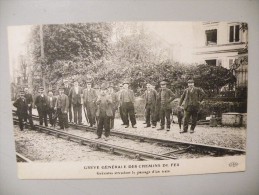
{"x":22,"y":109}
{"x":66,"y":92}
{"x":115,"y":103}
{"x":192,"y":96}
{"x":62,"y":105}
{"x":150,"y":97}
{"x":51,"y":107}
{"x":127,"y":98}
{"x":41,"y":104}
{"x":90,"y":97}
{"x":76,"y":94}
{"x":104,"y":112}
{"x":120,"y":105}
{"x":29,"y":101}
{"x":164,"y":98}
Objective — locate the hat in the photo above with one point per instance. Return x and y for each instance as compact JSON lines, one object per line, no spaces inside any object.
{"x":96,"y":87}
{"x":191,"y":81}
{"x":163,"y":83}
{"x":41,"y":88}
{"x":104,"y":86}
{"x":121,"y":85}
{"x":61,"y":87}
{"x":21,"y":91}
{"x":126,"y":81}
{"x":88,"y":81}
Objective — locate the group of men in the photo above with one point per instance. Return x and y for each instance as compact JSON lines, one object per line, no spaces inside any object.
{"x":99,"y":106}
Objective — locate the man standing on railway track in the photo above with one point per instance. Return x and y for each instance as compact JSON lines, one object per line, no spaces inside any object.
{"x":51,"y":105}
{"x":29,"y":101}
{"x":114,"y":104}
{"x":76,"y":94}
{"x":192,"y":96}
{"x":104,"y":112}
{"x":120,"y":104}
{"x":62,"y":105}
{"x":150,"y":97}
{"x":165,"y":96}
{"x":41,"y":104}
{"x":90,"y":97}
{"x":67,"y":89}
{"x":127,"y":98}
{"x":22,"y":109}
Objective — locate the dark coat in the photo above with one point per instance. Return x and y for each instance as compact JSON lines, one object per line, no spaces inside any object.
{"x":193,"y":97}
{"x":169,"y":96}
{"x":53,"y":104}
{"x":22,"y":107}
{"x":41,"y":102}
{"x":153,"y":95}
{"x":89,"y":96}
{"x":115,"y":101}
{"x":105,"y":102}
{"x":76,"y":98}
{"x":62,"y":103}
{"x":28,"y":98}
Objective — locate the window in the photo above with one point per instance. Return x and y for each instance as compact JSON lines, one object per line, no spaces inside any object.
{"x":234,"y":33}
{"x":211,"y":37}
{"x":211,"y":62}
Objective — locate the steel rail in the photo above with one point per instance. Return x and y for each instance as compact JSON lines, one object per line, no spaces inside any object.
{"x":201,"y":148}
{"x":99,"y":145}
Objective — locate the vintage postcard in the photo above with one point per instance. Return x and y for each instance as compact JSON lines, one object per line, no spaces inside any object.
{"x":129,"y":99}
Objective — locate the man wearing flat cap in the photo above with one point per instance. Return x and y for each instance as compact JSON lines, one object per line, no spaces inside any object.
{"x":127,"y":98}
{"x":192,"y":96}
{"x":41,"y":102}
{"x":90,"y":97}
{"x":150,"y":97}
{"x":62,"y":105}
{"x":164,"y":98}
{"x":22,"y":109}
{"x":104,"y":112}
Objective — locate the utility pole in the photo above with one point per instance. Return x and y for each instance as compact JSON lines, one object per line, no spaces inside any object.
{"x":42,"y":57}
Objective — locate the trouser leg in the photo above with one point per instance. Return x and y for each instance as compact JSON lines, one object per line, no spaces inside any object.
{"x":162,"y":117}
{"x":122,"y":114}
{"x":194,"y":119}
{"x":40,"y":116}
{"x":112,"y":119}
{"x":45,"y":117}
{"x":70,"y":113}
{"x":186,"y":120}
{"x":107,"y":126}
{"x":65,"y":120}
{"x":100,"y":126}
{"x":167,"y":115}
{"x":148,"y":115}
{"x":131,"y":112}
{"x":80,"y":113}
{"x":75,"y":109}
{"x":20,"y":118}
{"x":125,"y":113}
{"x":60,"y":118}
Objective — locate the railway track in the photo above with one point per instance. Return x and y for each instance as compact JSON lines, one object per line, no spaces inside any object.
{"x":102,"y":146}
{"x":183,"y":147}
{"x":21,"y":158}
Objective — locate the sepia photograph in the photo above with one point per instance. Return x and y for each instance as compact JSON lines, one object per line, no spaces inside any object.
{"x":129,"y":99}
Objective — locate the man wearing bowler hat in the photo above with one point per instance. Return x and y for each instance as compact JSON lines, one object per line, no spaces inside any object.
{"x":41,"y":102}
{"x":90,"y":97}
{"x":76,"y":94}
{"x":192,"y":96}
{"x":164,"y":98}
{"x":127,"y":98}
{"x":62,"y":105}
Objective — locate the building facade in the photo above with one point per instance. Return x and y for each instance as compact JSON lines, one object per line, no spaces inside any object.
{"x":218,"y":43}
